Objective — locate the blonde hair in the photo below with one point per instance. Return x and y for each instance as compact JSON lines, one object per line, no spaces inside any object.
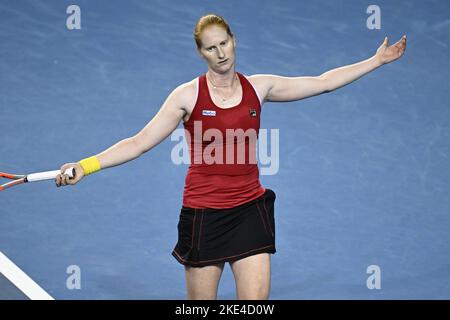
{"x":206,"y":21}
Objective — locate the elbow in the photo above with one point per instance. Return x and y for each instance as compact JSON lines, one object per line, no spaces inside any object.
{"x":325,"y":84}
{"x":137,"y":145}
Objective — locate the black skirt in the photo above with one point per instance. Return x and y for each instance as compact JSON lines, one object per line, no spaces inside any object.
{"x":211,"y":236}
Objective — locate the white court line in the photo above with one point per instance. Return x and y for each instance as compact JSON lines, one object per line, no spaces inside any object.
{"x":23,"y":282}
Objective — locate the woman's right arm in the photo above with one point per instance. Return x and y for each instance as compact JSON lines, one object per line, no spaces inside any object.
{"x":162,"y":125}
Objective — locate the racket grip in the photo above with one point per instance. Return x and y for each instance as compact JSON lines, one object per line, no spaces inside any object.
{"x":49,"y":175}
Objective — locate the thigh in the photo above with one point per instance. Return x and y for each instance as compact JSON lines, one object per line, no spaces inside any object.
{"x":202,"y":282}
{"x":252,"y":276}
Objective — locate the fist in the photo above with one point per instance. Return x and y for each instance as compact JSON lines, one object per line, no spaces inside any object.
{"x":63,"y":179}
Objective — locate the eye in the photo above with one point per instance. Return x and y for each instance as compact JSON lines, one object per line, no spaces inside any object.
{"x":223,"y":43}
{"x":209,"y":49}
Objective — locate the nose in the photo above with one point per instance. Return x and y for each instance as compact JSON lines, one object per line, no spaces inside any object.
{"x":220,"y":53}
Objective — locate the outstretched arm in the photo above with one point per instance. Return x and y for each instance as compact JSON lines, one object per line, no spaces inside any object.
{"x":162,"y":125}
{"x":282,"y":89}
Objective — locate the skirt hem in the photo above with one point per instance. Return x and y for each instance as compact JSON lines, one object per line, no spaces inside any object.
{"x":269,"y":249}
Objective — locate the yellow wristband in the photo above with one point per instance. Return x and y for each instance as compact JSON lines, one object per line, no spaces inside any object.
{"x":90,"y":165}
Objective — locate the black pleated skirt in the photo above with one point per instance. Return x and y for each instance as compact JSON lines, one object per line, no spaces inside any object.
{"x":211,"y":236}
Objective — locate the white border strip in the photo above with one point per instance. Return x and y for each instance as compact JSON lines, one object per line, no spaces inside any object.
{"x":23,"y":282}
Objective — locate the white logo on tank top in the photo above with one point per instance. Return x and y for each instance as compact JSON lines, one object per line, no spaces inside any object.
{"x":209,"y":113}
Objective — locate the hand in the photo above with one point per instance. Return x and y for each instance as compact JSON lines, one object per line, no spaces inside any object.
{"x":63,"y":179}
{"x":386,"y":53}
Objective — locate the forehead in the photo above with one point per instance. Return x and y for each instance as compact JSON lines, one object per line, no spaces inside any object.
{"x":211,"y":35}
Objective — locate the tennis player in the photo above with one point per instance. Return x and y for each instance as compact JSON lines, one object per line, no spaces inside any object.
{"x":227,"y":215}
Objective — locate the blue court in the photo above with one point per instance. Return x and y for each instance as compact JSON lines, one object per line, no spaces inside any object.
{"x":363,"y":177}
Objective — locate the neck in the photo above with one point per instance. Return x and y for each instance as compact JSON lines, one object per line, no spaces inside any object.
{"x":222,"y":79}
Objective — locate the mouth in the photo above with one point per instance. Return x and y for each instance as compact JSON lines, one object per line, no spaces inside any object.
{"x":223,"y":61}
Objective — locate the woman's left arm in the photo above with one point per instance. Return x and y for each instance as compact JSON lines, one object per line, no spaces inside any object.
{"x":281,"y":89}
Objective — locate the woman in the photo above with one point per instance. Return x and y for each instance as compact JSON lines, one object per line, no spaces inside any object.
{"x":227,"y":216}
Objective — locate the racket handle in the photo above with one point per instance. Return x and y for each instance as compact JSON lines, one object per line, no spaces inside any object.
{"x":49,"y":175}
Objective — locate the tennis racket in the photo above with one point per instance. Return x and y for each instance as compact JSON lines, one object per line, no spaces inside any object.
{"x":32,"y":177}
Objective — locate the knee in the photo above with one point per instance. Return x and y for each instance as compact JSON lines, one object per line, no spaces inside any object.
{"x":201,"y":295}
{"x":261,"y":293}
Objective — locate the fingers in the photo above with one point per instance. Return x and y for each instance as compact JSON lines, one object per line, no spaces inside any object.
{"x":401,"y":45}
{"x":63,"y":179}
{"x":58,"y":180}
{"x":402,"y":41}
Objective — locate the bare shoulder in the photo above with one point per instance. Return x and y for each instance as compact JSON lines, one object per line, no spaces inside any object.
{"x":185,"y":96}
{"x":186,"y":92}
{"x":258,"y":78}
{"x":262,"y":84}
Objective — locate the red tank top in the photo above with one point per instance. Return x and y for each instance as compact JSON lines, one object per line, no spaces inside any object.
{"x":222,"y":144}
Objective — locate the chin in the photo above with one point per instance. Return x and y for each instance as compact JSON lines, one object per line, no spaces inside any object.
{"x":225,"y":68}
